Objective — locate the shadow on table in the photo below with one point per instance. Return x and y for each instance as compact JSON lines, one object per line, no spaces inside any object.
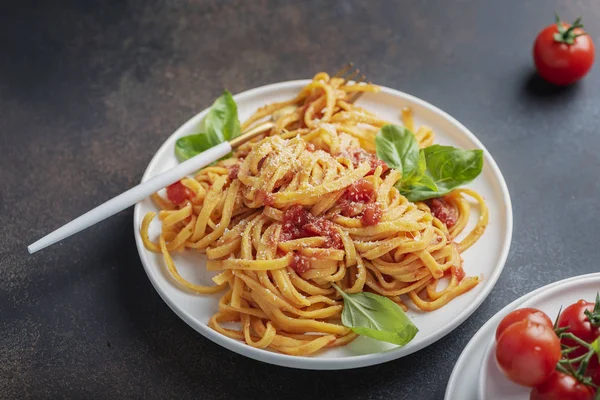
{"x":535,"y":88}
{"x":205,"y":369}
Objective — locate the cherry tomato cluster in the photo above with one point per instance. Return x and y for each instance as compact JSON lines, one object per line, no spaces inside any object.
{"x":557,"y":360}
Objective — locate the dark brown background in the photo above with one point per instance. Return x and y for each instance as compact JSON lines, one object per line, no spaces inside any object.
{"x":90,"y":89}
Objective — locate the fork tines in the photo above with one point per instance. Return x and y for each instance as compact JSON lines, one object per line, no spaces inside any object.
{"x":349,"y":73}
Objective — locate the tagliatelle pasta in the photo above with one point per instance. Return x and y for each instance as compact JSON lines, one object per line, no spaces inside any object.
{"x":306,"y":205}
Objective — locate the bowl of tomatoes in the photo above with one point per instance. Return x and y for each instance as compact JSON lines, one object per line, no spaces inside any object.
{"x":548,"y":348}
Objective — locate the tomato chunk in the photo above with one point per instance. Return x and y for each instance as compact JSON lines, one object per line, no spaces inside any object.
{"x":300,"y":264}
{"x":361,"y":190}
{"x":371,"y":214}
{"x":299,"y":223}
{"x":177,"y":193}
{"x":443,"y":211}
{"x":358,"y":156}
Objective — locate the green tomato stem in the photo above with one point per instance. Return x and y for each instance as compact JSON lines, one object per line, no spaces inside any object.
{"x":573,"y":360}
{"x":567,"y":36}
{"x":576,"y":339}
{"x":584,"y":363}
{"x":562,"y":369}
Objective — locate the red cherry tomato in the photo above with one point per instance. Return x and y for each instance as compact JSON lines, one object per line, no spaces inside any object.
{"x":579,"y":325}
{"x":563,"y":53}
{"x":531,"y":314}
{"x":592,"y":368}
{"x":561,"y":387}
{"x":596,"y":376}
{"x":528,"y":352}
{"x":177,"y":193}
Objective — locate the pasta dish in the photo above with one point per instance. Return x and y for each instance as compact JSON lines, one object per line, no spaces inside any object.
{"x":308,"y":209}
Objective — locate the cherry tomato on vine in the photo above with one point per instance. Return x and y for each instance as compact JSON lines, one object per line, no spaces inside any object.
{"x":531,"y":314}
{"x":592,"y":369}
{"x":561,"y":387}
{"x":578,"y":323}
{"x":563,"y":53}
{"x":527,"y":352}
{"x":596,"y":376}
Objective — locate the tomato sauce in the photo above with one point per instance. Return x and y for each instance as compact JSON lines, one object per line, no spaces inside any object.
{"x":177,"y":193}
{"x":371,"y":214}
{"x":261,"y":162}
{"x":358,"y":156}
{"x":443,"y":211}
{"x":459,"y":272}
{"x":299,"y":223}
{"x":362,"y":191}
{"x":300,"y":264}
{"x":351,"y":208}
{"x":233,"y":171}
{"x":266,"y":198}
{"x":359,"y":199}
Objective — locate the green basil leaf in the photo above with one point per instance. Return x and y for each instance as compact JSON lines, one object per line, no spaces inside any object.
{"x":398,"y":147}
{"x":416,"y":178}
{"x":220,"y":124}
{"x":189,"y":146}
{"x":222,"y":121}
{"x":377,"y":317}
{"x":427,"y":182}
{"x":419,"y":171}
{"x":451,"y":167}
{"x":448,"y":167}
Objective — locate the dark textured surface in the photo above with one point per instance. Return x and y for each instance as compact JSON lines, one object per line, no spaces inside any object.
{"x":90,"y":89}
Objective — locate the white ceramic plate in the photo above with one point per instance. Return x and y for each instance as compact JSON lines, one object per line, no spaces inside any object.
{"x":493,"y":384}
{"x":486,"y":258}
{"x":468,"y":366}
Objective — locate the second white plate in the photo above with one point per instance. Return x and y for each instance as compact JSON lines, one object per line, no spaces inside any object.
{"x":493,"y":384}
{"x":485,"y":259}
{"x":467,"y":368}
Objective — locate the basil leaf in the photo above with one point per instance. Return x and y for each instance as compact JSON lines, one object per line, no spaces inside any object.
{"x":220,"y":124}
{"x":451,"y":167}
{"x":189,"y":146}
{"x":427,"y":173}
{"x":427,"y":182}
{"x":418,"y":173}
{"x":377,"y":317}
{"x":448,"y":167}
{"x":398,"y":147}
{"x":222,"y":121}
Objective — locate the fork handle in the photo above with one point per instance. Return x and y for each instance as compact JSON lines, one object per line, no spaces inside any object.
{"x":132,"y":196}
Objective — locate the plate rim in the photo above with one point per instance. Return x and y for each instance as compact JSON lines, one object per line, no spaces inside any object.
{"x":358,"y":361}
{"x":528,"y":302}
{"x":473,"y":342}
